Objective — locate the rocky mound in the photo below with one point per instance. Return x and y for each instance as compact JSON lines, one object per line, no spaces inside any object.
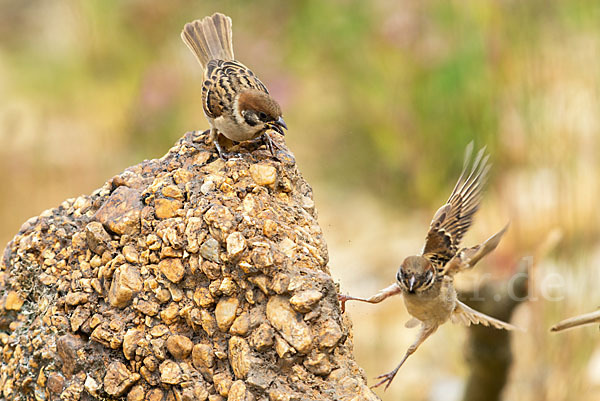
{"x":183,"y":278}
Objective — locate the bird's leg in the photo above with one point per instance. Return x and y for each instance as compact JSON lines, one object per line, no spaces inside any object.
{"x":375,"y":299}
{"x":214,"y":135}
{"x":425,"y":332}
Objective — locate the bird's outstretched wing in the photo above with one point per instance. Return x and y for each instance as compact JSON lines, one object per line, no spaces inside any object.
{"x":468,"y":257}
{"x":467,"y":316}
{"x":451,"y":221}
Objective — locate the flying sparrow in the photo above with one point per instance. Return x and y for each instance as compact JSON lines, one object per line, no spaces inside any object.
{"x":588,"y":318}
{"x":236,"y":104}
{"x":426,"y":281}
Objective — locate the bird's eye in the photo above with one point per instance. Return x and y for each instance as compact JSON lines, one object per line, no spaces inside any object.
{"x":262,"y":116}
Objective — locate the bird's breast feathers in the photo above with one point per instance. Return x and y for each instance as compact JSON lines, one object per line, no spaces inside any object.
{"x":433,"y":305}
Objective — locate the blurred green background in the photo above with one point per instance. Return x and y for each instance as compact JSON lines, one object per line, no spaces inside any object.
{"x":381,"y":98}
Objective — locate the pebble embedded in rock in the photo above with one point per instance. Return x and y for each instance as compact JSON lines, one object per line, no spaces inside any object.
{"x":329,"y":334}
{"x":170,"y":314}
{"x":280,"y":283}
{"x":76,"y":298}
{"x":225,"y":312}
{"x":67,"y":347}
{"x":283,"y":348}
{"x":270,"y":228}
{"x":263,"y":174}
{"x":194,"y":233}
{"x":210,"y":250}
{"x":318,"y":363}
{"x":262,"y":282}
{"x":241,"y":325}
{"x":119,"y":379}
{"x":170,"y":372}
{"x":236,"y":243}
{"x":237,"y":391}
{"x":288,"y":247}
{"x":196,"y":392}
{"x":166,"y":208}
{"x":155,"y":394}
{"x":203,"y":356}
{"x":179,"y":346}
{"x":91,"y":385}
{"x":262,"y":337}
{"x":222,"y":381}
{"x":182,"y":176}
{"x":97,"y":237}
{"x":55,"y":383}
{"x":289,"y":323}
{"x":304,"y":301}
{"x":149,"y":308}
{"x":131,"y":340}
{"x":121,"y":212}
{"x":262,"y":258}
{"x":220,"y":218}
{"x":228,"y":286}
{"x":172,"y":268}
{"x":137,"y":393}
{"x":280,"y":394}
{"x":13,"y":301}
{"x":203,"y":298}
{"x":239,"y":357}
{"x":126,"y":282}
{"x":131,"y":254}
{"x":173,"y":191}
{"x":78,"y":317}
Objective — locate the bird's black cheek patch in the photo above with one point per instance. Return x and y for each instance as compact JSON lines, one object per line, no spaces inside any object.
{"x":249,"y":120}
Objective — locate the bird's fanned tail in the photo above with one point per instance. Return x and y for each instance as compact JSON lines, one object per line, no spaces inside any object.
{"x":209,"y":38}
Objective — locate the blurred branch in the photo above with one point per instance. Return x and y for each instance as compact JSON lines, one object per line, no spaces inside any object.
{"x":588,"y":318}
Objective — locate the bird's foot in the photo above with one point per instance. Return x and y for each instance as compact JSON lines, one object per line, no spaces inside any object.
{"x":270,"y":143}
{"x":343,"y":298}
{"x":226,"y":155}
{"x":386,"y":378}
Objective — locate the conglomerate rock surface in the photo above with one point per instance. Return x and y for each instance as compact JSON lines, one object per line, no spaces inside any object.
{"x":183,"y":278}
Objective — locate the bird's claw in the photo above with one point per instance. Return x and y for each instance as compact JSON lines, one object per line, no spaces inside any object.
{"x":271,"y":144}
{"x":386,"y":378}
{"x":231,"y":156}
{"x":343,"y":299}
{"x":226,"y":155}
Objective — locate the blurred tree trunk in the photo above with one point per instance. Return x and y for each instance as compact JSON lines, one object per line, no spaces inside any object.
{"x":489,"y":350}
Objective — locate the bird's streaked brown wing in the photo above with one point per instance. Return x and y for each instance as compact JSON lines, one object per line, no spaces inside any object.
{"x":223,"y":80}
{"x":451,"y":221}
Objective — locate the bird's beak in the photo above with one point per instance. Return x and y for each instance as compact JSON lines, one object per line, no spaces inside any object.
{"x":279,"y":125}
{"x":411,"y":283}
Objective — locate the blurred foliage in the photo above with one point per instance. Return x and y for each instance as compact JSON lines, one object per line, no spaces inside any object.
{"x":381,"y":98}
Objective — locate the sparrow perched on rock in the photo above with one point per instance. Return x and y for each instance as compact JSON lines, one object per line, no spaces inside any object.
{"x":426,"y":280}
{"x":235,"y":102}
